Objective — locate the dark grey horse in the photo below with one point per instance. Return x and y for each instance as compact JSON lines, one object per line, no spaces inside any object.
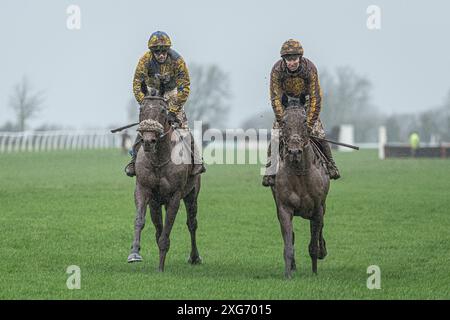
{"x":161,"y":181}
{"x":301,"y":187}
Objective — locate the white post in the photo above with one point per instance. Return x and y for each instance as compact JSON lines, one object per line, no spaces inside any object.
{"x":31,"y":139}
{"x":62,"y":141}
{"x":6,"y":137}
{"x":92,"y":141}
{"x":102,"y":145}
{"x":346,"y":135}
{"x":98,"y":142}
{"x":47,"y":137}
{"x":51,"y":141}
{"x":38,"y":146}
{"x":2,"y":146}
{"x":382,"y":139}
{"x":23,"y":143}
{"x":78,"y":143}
{"x":10,"y":144}
{"x":55,"y":141}
{"x":85,"y":141}
{"x":17,"y":142}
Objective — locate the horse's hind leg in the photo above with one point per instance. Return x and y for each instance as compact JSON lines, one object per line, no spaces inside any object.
{"x":141,"y":200}
{"x":316,"y":224}
{"x":164,"y":240}
{"x":285,"y":218}
{"x":293,"y":265}
{"x":190,"y":202}
{"x":322,"y":244}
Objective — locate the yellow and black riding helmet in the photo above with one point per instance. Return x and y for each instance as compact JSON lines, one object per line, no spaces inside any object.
{"x":291,"y":47}
{"x":159,"y":40}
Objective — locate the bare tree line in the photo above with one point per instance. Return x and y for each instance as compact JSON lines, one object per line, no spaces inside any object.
{"x":208,"y":100}
{"x":347,"y":100}
{"x":26,"y":103}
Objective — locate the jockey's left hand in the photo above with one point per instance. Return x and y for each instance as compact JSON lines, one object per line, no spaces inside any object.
{"x":172,"y":117}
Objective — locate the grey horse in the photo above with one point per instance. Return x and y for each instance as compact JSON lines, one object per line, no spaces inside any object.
{"x":301,"y":187}
{"x":161,"y":181}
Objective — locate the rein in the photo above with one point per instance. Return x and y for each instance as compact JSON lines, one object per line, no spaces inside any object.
{"x":165,"y":133}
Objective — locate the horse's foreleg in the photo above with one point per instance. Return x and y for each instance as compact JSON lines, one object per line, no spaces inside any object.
{"x":164,"y":240}
{"x":316,"y":224}
{"x":190,"y":202}
{"x":141,"y":201}
{"x":285,"y":218}
{"x":156,"y":215}
{"x":293,"y":265}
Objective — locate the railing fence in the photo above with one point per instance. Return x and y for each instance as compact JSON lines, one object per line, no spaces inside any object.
{"x":34,"y":141}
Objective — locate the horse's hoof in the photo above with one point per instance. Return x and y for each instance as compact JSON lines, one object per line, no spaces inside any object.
{"x":288,"y":276}
{"x":134,"y":257}
{"x":293,"y":266}
{"x":322,"y":255}
{"x":195,"y":260}
{"x":322,"y":251}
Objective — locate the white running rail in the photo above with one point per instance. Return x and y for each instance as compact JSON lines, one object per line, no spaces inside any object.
{"x":58,"y":140}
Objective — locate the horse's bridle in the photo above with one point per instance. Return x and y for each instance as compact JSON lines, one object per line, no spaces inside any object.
{"x":155,"y":97}
{"x":305,"y":142}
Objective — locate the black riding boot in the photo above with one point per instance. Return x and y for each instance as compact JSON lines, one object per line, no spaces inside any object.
{"x":331,"y":165}
{"x":269,"y":179}
{"x":130,"y":169}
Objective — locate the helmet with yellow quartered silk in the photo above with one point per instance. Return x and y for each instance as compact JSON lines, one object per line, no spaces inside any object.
{"x":291,"y":47}
{"x":159,"y":39}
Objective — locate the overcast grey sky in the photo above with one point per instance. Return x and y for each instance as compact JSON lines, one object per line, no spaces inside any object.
{"x":87,"y":73}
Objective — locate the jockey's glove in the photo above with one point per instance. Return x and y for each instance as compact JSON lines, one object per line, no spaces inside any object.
{"x":172,"y":117}
{"x":278,"y":118}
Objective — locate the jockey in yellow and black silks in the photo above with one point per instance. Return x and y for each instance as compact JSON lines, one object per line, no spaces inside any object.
{"x":294,"y":76}
{"x":161,"y":69}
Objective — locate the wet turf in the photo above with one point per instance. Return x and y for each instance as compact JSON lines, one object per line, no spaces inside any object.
{"x":76,"y":208}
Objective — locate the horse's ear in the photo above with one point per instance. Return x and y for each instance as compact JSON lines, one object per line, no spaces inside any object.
{"x":153,"y":92}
